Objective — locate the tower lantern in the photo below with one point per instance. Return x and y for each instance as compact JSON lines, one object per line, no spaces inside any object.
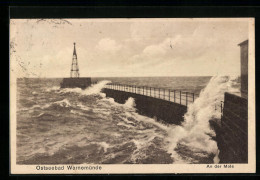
{"x":74,"y":72}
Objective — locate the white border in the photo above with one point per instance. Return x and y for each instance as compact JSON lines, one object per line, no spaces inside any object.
{"x":151,"y":168}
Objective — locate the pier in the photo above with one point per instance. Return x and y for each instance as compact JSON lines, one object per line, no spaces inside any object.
{"x":176,"y":96}
{"x":163,"y":104}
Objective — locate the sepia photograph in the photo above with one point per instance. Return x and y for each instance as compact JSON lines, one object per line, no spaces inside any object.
{"x":132,"y":95}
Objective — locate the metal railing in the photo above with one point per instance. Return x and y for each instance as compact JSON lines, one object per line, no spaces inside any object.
{"x":176,"y":96}
{"x":219,"y":107}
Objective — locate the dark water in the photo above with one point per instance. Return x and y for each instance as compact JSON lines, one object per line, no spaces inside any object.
{"x":62,"y":126}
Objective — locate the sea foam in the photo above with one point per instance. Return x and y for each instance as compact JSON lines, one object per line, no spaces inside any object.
{"x":195,"y":131}
{"x":94,"y":89}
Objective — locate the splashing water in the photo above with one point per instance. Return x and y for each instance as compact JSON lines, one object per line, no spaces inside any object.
{"x":195,"y":131}
{"x":130,"y":103}
{"x":92,"y":90}
{"x":95,"y":89}
{"x":63,"y":103}
{"x":50,"y":89}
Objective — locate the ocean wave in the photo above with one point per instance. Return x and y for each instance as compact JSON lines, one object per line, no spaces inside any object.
{"x":41,"y":114}
{"x":63,"y":103}
{"x":29,"y":108}
{"x":108,"y":101}
{"x":34,"y":93}
{"x":83,"y":107}
{"x":77,"y":112}
{"x":147,"y":120}
{"x":130,"y":113}
{"x":46,"y":116}
{"x":142,"y":144}
{"x":54,"y":88}
{"x":103,"y":145}
{"x":125,"y":125}
{"x":130,"y":103}
{"x":70,"y":90}
{"x":101,"y":111}
{"x":195,"y":131}
{"x":94,"y":89}
{"x":128,"y":122}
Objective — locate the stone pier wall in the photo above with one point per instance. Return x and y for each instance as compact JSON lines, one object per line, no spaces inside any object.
{"x":232,"y":132}
{"x":169,"y":112}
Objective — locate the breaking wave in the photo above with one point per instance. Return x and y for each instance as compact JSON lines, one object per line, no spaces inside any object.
{"x":130,"y":103}
{"x":94,"y":89}
{"x":54,"y":88}
{"x":195,"y":131}
{"x":63,"y":103}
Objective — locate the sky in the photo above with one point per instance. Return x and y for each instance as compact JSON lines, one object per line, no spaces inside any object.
{"x":127,"y":47}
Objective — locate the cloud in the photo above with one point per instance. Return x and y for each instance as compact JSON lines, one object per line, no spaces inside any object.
{"x":186,"y":47}
{"x":129,"y":47}
{"x":155,"y":53}
{"x":108,"y":45}
{"x":154,"y":50}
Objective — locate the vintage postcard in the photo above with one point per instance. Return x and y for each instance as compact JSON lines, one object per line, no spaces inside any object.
{"x":132,"y":96}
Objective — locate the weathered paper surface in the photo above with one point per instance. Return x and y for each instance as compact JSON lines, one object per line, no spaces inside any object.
{"x":159,"y":104}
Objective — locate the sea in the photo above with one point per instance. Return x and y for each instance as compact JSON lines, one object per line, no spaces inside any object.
{"x":75,"y":126}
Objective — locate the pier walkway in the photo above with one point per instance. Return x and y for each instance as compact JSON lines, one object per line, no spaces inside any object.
{"x":175,"y":96}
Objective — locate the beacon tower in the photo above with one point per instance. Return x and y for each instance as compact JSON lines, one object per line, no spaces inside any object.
{"x":74,"y":81}
{"x":74,"y":72}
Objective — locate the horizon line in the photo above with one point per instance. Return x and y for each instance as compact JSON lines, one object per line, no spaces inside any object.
{"x":124,"y":76}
